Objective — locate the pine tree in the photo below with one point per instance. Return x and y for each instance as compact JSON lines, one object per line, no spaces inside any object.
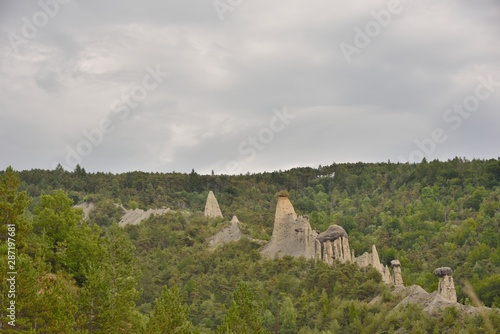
{"x":288,"y":317}
{"x":124,"y":277}
{"x":95,"y":300}
{"x":244,"y":315}
{"x":170,"y":315}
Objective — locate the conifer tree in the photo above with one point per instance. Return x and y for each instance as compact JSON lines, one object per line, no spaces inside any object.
{"x":244,"y":315}
{"x":288,"y":317}
{"x":170,"y":315}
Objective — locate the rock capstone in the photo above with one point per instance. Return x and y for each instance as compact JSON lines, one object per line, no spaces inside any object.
{"x":332,"y":233}
{"x":443,"y":271}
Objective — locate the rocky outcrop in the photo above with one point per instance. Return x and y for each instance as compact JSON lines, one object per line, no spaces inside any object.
{"x":228,"y":234}
{"x":443,"y":271}
{"x":212,"y":209}
{"x":436,"y":301}
{"x":373,"y":260}
{"x":446,"y":287}
{"x":431,"y":302}
{"x":335,"y":245}
{"x":292,"y":235}
{"x":87,"y":208}
{"x":130,"y":217}
{"x":134,"y":217}
{"x":397,"y":279}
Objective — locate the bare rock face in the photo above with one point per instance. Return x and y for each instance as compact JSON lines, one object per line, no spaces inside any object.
{"x":87,"y":208}
{"x":228,"y":234}
{"x":335,"y":245}
{"x":446,"y":285}
{"x":212,"y":209}
{"x":397,"y":279}
{"x":373,"y":260}
{"x":292,"y":235}
{"x":431,"y":302}
{"x":134,"y":217}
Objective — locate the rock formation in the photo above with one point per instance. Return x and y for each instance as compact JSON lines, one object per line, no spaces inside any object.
{"x":292,"y":235}
{"x":373,"y":260}
{"x":87,"y":208}
{"x":397,"y":279}
{"x":228,"y":234}
{"x":435,"y":302}
{"x":446,"y":285}
{"x":431,"y":303}
{"x":130,"y":217}
{"x":212,"y":209}
{"x":134,"y":217}
{"x":335,"y":245}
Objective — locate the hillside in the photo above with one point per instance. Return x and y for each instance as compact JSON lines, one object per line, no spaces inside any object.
{"x":162,"y":271}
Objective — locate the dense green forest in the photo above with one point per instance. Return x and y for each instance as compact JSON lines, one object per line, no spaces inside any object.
{"x":92,"y":276}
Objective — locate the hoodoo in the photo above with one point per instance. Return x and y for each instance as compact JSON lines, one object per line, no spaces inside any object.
{"x":396,"y":268}
{"x":335,"y":245}
{"x":212,"y":209}
{"x":446,"y":285}
{"x":292,"y":235}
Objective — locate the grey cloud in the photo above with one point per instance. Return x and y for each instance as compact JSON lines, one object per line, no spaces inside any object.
{"x":227,"y":76}
{"x":48,"y":81}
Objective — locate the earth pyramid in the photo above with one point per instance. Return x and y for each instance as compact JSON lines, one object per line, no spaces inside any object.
{"x":293,"y":236}
{"x":212,"y":209}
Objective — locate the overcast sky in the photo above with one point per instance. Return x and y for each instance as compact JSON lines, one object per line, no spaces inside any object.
{"x":251,"y":85}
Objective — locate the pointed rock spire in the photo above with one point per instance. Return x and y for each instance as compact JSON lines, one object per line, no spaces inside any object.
{"x":292,"y":235}
{"x":212,"y":209}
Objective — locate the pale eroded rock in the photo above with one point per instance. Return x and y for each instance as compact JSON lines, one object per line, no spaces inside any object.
{"x":292,"y":235}
{"x":212,"y":209}
{"x":134,"y":217}
{"x":87,"y":208}
{"x":446,"y":287}
{"x":228,"y":234}
{"x":397,"y":278}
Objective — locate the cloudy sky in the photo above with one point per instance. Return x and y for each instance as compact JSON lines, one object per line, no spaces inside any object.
{"x":236,"y":85}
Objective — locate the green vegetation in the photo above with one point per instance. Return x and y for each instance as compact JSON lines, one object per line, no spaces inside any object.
{"x":91,"y":276}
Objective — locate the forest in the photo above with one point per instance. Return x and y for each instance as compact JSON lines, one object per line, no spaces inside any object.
{"x":76,"y":275}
